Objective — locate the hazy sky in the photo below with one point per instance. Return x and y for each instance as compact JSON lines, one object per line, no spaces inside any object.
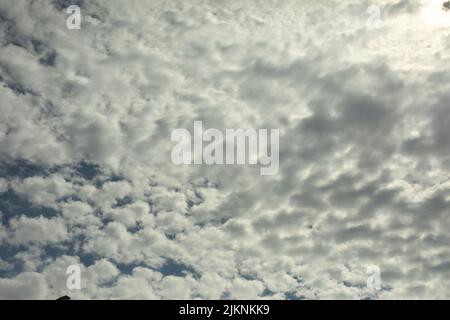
{"x":361,"y":100}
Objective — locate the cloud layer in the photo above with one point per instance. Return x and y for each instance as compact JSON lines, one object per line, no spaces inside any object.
{"x":86,"y":176}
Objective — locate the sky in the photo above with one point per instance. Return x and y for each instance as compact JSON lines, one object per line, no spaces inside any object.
{"x":358,"y":89}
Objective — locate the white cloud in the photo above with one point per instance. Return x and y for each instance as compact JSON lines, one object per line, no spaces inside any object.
{"x":28,"y":285}
{"x":363,"y":149}
{"x":43,"y":191}
{"x":38,"y":231}
{"x":176,"y":287}
{"x":245,"y":289}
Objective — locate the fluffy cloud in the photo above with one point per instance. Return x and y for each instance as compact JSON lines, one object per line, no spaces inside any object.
{"x":37,"y":230}
{"x":86,"y":176}
{"x":27,"y":285}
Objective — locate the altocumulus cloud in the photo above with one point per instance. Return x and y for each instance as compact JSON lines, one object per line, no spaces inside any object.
{"x":86,"y":177}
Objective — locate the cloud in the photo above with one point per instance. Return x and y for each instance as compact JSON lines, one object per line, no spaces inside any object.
{"x":37,"y":230}
{"x":86,"y":176}
{"x":28,"y":285}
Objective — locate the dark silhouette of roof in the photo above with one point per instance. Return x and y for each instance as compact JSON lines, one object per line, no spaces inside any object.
{"x":64,"y":298}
